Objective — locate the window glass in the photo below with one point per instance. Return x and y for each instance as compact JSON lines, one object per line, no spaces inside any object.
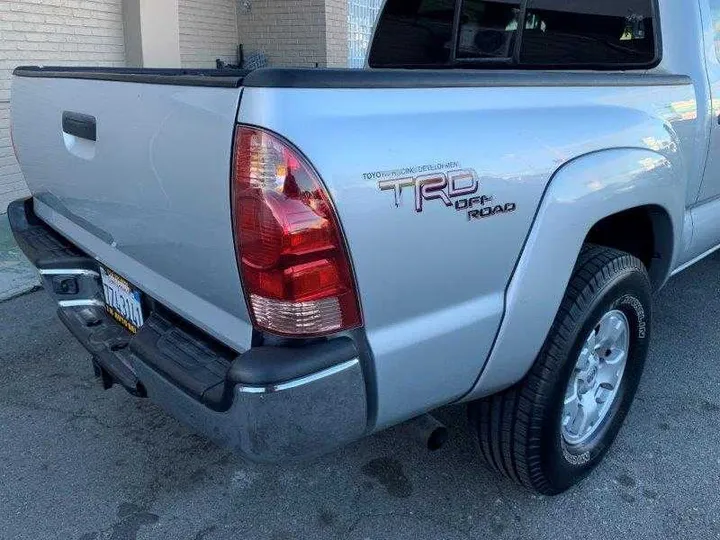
{"x":588,"y":32}
{"x":488,"y":28}
{"x":414,"y":33}
{"x":556,"y":33}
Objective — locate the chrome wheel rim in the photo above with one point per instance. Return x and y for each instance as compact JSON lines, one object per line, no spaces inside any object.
{"x":594,"y":383}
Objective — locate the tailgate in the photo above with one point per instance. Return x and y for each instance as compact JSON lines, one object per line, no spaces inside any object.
{"x":137,"y":175}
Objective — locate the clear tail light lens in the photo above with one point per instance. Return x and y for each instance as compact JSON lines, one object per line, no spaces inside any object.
{"x":290,"y":249}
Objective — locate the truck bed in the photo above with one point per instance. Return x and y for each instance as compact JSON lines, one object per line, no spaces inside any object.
{"x":151,"y":199}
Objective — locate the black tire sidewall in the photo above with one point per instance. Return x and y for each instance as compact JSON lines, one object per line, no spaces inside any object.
{"x":628,"y":291}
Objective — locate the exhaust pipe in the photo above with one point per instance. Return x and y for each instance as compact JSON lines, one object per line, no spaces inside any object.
{"x":429,"y":432}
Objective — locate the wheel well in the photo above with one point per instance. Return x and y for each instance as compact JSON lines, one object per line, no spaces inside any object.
{"x":645,"y":232}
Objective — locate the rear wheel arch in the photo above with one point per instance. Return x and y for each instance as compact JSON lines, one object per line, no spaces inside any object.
{"x":589,"y":190}
{"x":643,"y":231}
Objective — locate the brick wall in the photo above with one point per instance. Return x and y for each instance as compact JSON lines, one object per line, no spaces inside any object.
{"x":336,"y":32}
{"x":88,"y":32}
{"x":12,"y":184}
{"x":288,"y":33}
{"x":208,"y":30}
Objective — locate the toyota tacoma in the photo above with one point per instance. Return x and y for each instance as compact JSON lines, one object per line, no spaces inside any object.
{"x":288,"y":260}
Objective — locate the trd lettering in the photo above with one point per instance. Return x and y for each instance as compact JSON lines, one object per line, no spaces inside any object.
{"x":436,"y":186}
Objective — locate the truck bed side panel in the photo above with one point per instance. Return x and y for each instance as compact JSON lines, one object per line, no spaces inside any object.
{"x":432,"y":282}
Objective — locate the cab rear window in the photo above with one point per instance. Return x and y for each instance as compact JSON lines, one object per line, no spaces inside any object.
{"x":488,"y":29}
{"x":414,"y":33}
{"x":548,"y":34}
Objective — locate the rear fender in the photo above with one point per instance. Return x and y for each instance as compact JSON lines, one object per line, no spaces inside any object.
{"x":581,"y":193}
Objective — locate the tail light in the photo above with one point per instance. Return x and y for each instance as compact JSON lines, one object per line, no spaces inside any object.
{"x":290,"y":248}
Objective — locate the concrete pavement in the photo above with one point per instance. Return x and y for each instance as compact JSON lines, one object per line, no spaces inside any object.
{"x":17,"y":276}
{"x":81,"y":463}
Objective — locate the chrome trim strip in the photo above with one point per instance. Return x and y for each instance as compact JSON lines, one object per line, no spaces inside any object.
{"x":79,"y":303}
{"x":68,"y":272}
{"x":695,"y":260}
{"x":299,"y":382}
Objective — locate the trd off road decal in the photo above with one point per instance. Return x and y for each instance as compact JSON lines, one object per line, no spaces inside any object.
{"x":454,"y":186}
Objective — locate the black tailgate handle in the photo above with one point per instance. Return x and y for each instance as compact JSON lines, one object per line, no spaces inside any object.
{"x":81,"y":125}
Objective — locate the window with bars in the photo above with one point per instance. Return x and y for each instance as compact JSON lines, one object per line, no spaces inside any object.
{"x":362,"y":15}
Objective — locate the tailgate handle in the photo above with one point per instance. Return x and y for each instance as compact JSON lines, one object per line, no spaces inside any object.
{"x":80,"y":125}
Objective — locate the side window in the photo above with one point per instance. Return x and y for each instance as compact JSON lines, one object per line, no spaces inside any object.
{"x":588,"y":32}
{"x":715,"y":10}
{"x":488,"y":28}
{"x":414,"y":33}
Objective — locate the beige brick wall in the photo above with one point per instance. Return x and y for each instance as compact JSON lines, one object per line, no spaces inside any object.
{"x":12,"y":184}
{"x":208,"y":30}
{"x":90,"y":32}
{"x":336,"y":32}
{"x":289,"y":33}
{"x":60,"y":32}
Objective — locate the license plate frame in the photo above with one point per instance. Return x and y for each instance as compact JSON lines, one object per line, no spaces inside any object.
{"x":123,"y":301}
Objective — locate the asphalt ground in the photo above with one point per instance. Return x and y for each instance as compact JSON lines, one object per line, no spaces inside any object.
{"x":78,"y":462}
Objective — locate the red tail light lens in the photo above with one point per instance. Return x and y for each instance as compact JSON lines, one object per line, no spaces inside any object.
{"x":290,"y":252}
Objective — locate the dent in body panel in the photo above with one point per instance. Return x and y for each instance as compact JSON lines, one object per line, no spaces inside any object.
{"x":414,"y":268}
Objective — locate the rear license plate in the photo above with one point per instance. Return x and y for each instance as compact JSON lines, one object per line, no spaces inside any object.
{"x":122,"y":300}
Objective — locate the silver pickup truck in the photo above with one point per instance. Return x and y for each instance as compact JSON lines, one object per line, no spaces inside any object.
{"x":288,"y":260}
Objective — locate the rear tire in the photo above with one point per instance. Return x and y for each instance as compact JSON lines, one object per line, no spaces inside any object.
{"x":539,"y":433}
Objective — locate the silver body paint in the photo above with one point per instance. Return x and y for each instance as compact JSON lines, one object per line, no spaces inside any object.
{"x":150,"y":198}
{"x":454,"y":308}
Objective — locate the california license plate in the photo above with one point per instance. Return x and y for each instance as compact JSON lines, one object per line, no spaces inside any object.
{"x":122,"y":301}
